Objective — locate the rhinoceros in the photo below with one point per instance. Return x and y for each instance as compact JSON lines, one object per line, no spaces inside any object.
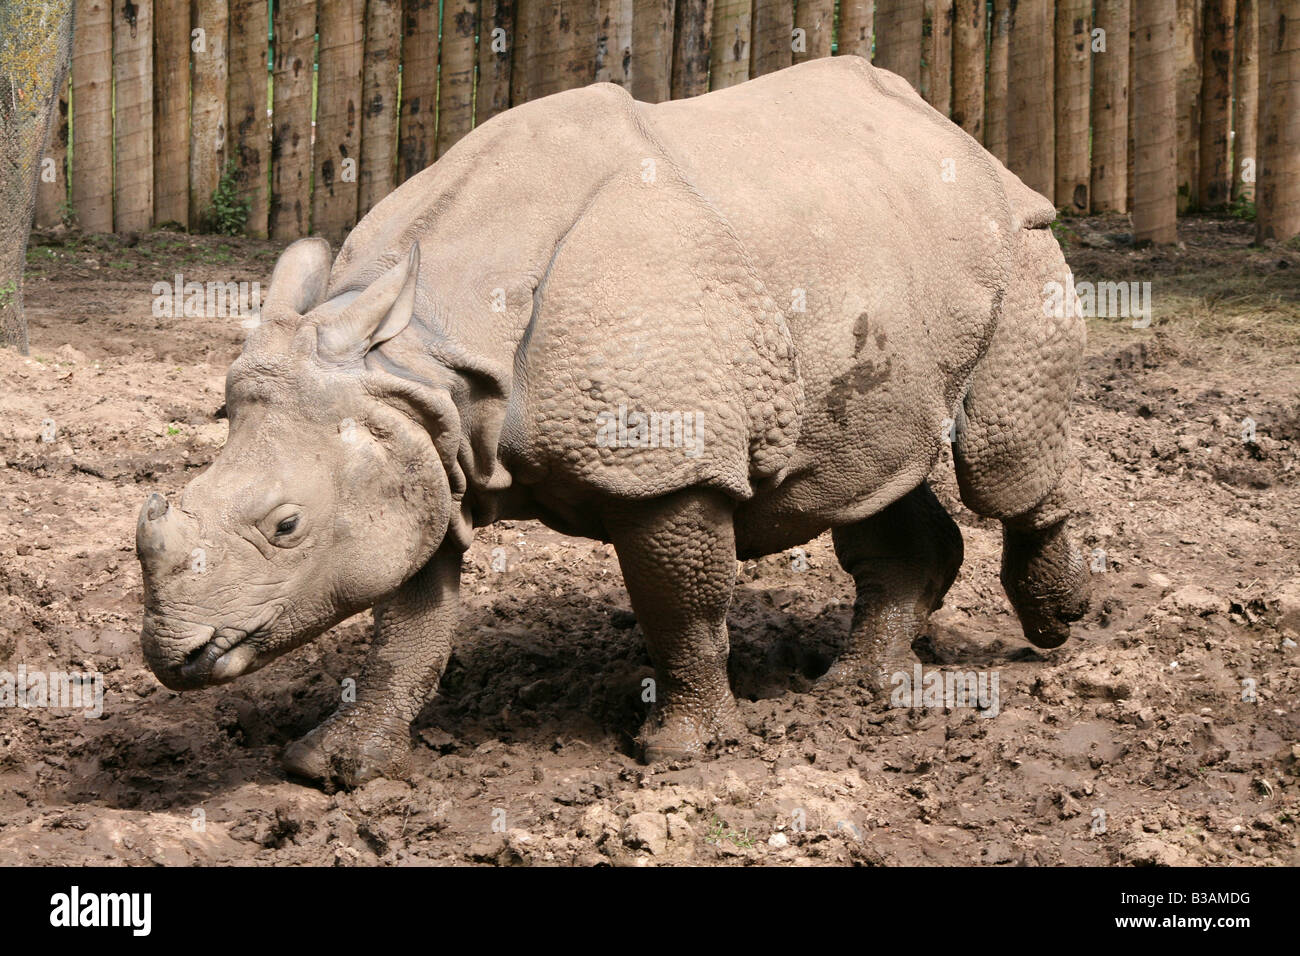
{"x":702,"y":330}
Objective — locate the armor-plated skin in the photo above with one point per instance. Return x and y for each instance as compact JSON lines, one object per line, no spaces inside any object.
{"x":812,"y":280}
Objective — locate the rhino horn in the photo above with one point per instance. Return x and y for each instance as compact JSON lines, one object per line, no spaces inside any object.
{"x":300,"y":278}
{"x":376,"y":315}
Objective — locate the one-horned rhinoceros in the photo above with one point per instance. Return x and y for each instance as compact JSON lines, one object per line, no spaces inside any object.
{"x":701,"y":330}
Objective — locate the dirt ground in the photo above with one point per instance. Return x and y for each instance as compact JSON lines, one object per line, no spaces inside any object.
{"x":1166,"y":731}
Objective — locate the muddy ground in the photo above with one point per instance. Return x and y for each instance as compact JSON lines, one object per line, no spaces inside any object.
{"x":1167,"y":731}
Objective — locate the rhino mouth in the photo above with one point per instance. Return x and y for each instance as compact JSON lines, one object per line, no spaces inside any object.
{"x":221,"y":659}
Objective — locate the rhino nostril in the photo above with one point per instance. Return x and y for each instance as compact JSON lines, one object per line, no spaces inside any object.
{"x":156,"y":507}
{"x":193,"y":656}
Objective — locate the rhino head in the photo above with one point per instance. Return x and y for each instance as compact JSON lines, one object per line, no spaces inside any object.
{"x":330,"y":492}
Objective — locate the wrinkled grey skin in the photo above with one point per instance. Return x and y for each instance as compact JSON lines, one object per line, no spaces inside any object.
{"x":825,"y":275}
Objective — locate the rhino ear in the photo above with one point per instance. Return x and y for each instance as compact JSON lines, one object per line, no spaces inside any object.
{"x":301,"y":277}
{"x":376,"y":315}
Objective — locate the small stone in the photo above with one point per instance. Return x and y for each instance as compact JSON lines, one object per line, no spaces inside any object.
{"x":647,"y":831}
{"x":777,"y":841}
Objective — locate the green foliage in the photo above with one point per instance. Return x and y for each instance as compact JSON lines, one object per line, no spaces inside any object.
{"x":228,"y":214}
{"x":7,"y":292}
{"x":1242,"y":208}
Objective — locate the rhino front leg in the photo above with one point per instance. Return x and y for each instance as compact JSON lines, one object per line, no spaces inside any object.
{"x":370,"y":737}
{"x":903,"y":561}
{"x":678,"y":555}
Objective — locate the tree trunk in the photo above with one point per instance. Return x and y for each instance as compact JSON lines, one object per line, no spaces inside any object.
{"x":133,"y":115}
{"x":692,"y":37}
{"x":495,"y":44}
{"x":378,"y":174}
{"x":773,"y":36}
{"x":1189,"y":101}
{"x":1132,"y":111}
{"x":1215,"y":178}
{"x":898,"y":38}
{"x":968,"y":66}
{"x":995,"y":96}
{"x":456,"y":76}
{"x":295,"y":52}
{"x":816,"y":18}
{"x":729,"y":53}
{"x":419,"y":110}
{"x":575,"y":51}
{"x":857,"y":25}
{"x":92,"y":94}
{"x":249,"y":133}
{"x":171,"y":112}
{"x":1110,"y":104}
{"x":652,"y":50}
{"x":1031,"y":126}
{"x":1278,"y":194}
{"x":1155,"y":107}
{"x":207,"y":107}
{"x":52,"y":194}
{"x":938,"y":56}
{"x":1073,"y":81}
{"x":613,"y":43}
{"x":35,"y":47}
{"x":1245,"y":99}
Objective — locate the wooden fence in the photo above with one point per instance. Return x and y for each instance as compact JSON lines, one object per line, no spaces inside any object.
{"x":321,"y":107}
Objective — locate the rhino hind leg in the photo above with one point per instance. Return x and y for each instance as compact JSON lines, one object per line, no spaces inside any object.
{"x":903,"y":560}
{"x":1012,"y":450}
{"x":678,"y":556}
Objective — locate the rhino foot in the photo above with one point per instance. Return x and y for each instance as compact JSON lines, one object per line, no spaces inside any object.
{"x":675,"y":734}
{"x":348,"y":750}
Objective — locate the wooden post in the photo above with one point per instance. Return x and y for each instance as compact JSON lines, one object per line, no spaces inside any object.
{"x":171,"y":112}
{"x":1155,"y":106}
{"x":52,"y":194}
{"x":1073,"y":81}
{"x":338,"y":118}
{"x":613,"y":43}
{"x":92,"y":96}
{"x":1278,"y":193}
{"x":1031,"y":123}
{"x":652,"y":50}
{"x":249,"y":126}
{"x":816,"y":18}
{"x":692,"y":37}
{"x":995,"y":96}
{"x":1214,"y":187}
{"x":968,"y":54}
{"x":419,"y":110}
{"x":938,"y":56}
{"x":378,"y":174}
{"x":133,"y":115}
{"x":496,"y":42}
{"x":770,"y":46}
{"x":898,"y":38}
{"x":1110,"y":108}
{"x":456,"y":77}
{"x":1189,"y":101}
{"x":207,"y":106}
{"x":729,"y":54}
{"x":1245,"y":100}
{"x":295,"y":52}
{"x":857,"y":27}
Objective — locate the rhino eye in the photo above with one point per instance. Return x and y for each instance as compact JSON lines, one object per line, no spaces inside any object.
{"x":284,"y":525}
